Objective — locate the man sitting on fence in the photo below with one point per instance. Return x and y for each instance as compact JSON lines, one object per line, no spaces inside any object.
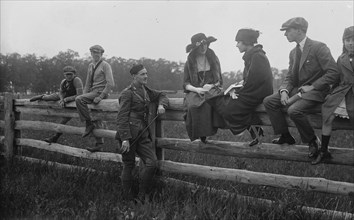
{"x":133,"y":131}
{"x":70,"y":87}
{"x":99,"y":83}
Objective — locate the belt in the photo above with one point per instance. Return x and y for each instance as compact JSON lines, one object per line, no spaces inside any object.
{"x":141,"y":116}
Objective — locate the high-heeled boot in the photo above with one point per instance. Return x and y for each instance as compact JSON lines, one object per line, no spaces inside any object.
{"x":255,"y":136}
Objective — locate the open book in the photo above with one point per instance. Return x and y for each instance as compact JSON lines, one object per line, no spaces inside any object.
{"x":236,"y":86}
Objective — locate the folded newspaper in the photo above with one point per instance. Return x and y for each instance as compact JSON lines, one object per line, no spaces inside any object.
{"x":236,"y":86}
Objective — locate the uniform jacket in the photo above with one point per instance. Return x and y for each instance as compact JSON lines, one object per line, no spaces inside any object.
{"x":346,"y":83}
{"x":128,"y":127}
{"x":317,"y":68}
{"x":191,"y":70}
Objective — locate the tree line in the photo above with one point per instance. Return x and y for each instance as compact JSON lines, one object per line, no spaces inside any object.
{"x":23,"y":73}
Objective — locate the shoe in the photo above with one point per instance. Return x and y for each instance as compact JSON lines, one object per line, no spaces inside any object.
{"x":255,"y":140}
{"x":52,"y":139}
{"x":96,"y":148}
{"x":321,"y":156}
{"x":204,"y":140}
{"x":88,"y":130}
{"x":35,"y":98}
{"x":313,"y":147}
{"x":284,"y":140}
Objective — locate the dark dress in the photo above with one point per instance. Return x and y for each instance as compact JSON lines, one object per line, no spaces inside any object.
{"x":258,"y":83}
{"x":200,"y":119}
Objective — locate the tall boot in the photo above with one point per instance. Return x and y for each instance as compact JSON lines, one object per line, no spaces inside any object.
{"x":128,"y":189}
{"x":146,"y":183}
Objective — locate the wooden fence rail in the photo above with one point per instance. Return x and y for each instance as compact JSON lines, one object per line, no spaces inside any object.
{"x":107,"y":110}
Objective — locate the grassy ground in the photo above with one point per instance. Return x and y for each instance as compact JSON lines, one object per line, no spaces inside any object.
{"x":41,"y":191}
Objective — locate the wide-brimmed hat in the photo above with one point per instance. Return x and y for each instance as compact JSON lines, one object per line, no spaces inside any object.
{"x":348,"y":32}
{"x":199,"y":39}
{"x":297,"y":23}
{"x":247,"y":35}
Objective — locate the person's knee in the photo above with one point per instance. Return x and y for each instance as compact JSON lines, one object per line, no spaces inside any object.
{"x":151,"y":163}
{"x":267,"y":101}
{"x":294,"y":112}
{"x":78,"y":98}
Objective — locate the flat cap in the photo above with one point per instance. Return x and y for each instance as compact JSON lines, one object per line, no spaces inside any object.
{"x":297,"y":23}
{"x":69,"y":69}
{"x":97,"y":48}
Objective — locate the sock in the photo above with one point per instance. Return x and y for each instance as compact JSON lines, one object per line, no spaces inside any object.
{"x":325,"y":141}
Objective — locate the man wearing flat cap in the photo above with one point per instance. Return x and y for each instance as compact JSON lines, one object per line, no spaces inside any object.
{"x":137,"y":110}
{"x":70,"y":87}
{"x":312,"y":70}
{"x":99,"y":82}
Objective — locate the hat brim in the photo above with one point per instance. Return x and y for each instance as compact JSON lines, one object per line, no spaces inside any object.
{"x":191,"y":47}
{"x":284,"y":28}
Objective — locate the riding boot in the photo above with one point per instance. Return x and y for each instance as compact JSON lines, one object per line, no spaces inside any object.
{"x":146,"y":183}
{"x":128,"y":189}
{"x":53,"y":139}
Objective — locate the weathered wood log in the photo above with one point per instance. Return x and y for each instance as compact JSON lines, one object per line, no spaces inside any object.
{"x":71,"y":151}
{"x":341,"y":156}
{"x":257,"y":178}
{"x":49,"y":126}
{"x":9,"y":123}
{"x":323,"y":213}
{"x":104,"y":105}
{"x":66,"y":112}
{"x":2,"y":124}
{"x":175,"y":112}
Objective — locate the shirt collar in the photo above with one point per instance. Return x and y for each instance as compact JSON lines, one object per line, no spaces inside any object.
{"x":302,"y":44}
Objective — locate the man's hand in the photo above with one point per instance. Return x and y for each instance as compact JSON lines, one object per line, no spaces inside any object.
{"x":62,"y":103}
{"x":125,"y":147}
{"x":200,"y":90}
{"x":233,"y":94}
{"x":284,"y":97}
{"x":97,"y":100}
{"x":304,"y":89}
{"x":161,"y":110}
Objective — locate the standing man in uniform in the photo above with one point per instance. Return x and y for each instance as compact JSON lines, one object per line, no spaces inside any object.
{"x":311,"y":71}
{"x":133,"y":133}
{"x":99,"y":82}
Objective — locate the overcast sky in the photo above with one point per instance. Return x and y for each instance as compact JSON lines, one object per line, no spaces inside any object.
{"x":162,"y":29}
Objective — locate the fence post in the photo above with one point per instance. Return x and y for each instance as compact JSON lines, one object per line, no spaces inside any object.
{"x":9,"y":119}
{"x":160,"y":153}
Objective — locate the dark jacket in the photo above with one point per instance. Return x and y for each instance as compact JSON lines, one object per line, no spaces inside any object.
{"x":258,"y":83}
{"x":191,"y":70}
{"x":132,"y":110}
{"x":317,"y":68}
{"x":257,"y":77}
{"x":346,"y":84}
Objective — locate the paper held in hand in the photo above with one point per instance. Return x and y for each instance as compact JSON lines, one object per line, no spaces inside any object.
{"x":236,"y":86}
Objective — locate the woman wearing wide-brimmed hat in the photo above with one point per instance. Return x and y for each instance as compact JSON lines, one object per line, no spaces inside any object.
{"x":202,"y":78}
{"x":340,"y":103}
{"x":257,"y":84}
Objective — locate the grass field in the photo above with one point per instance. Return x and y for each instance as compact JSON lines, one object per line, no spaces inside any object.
{"x":46,"y":192}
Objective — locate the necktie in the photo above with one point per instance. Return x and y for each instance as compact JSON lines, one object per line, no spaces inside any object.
{"x":297,"y":65}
